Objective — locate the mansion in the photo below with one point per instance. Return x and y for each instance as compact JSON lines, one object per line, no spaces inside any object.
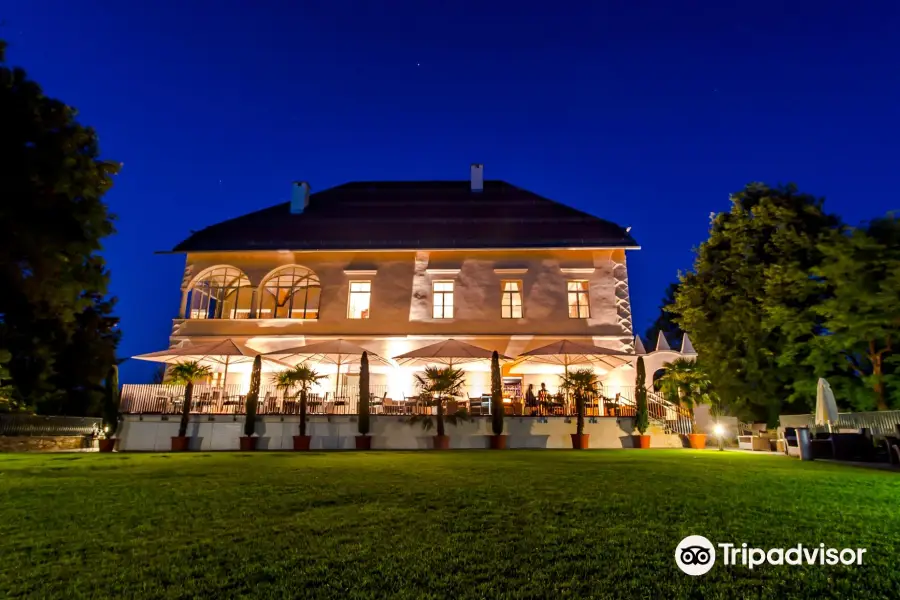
{"x":396,"y":265}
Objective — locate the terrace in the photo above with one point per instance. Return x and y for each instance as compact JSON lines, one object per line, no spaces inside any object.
{"x":166,"y":399}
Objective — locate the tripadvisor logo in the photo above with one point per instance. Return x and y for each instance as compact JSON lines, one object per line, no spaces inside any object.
{"x":696,"y":555}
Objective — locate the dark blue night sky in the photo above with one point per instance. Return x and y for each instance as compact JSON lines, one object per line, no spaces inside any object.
{"x":646,"y":113}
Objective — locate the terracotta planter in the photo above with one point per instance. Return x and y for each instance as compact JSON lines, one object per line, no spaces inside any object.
{"x":181,"y":444}
{"x":441,"y":442}
{"x":642,"y":441}
{"x":498,"y":442}
{"x":107,"y":445}
{"x":363,"y":442}
{"x":248,"y":444}
{"x":301,"y":442}
{"x":697,"y":440}
{"x":581,"y":442}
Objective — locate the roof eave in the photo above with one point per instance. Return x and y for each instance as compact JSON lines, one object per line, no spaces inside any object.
{"x":435,"y":249}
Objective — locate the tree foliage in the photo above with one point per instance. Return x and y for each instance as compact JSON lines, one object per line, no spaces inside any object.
{"x":642,"y":416}
{"x":55,"y":319}
{"x":187,"y":373}
{"x":583,"y":383}
{"x":437,"y":385}
{"x":302,"y":376}
{"x":252,"y":398}
{"x":860,"y":279}
{"x":749,"y":304}
{"x":496,"y":395}
{"x":685,"y":382}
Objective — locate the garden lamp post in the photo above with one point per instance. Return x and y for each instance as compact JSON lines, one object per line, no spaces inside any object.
{"x":719,"y":430}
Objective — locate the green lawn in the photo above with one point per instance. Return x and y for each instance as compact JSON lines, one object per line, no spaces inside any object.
{"x":459,"y":524}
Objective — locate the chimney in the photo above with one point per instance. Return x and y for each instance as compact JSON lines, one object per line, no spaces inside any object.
{"x":477,"y":178}
{"x":299,"y":197}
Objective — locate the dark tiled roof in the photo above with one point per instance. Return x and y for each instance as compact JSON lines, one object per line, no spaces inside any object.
{"x":390,"y":215}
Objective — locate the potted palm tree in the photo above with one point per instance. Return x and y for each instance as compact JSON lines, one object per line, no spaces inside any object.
{"x":641,"y":417}
{"x":248,"y":440}
{"x":186,"y":373}
{"x":363,"y":441}
{"x":110,"y":410}
{"x":685,"y":383}
{"x":304,"y":377}
{"x":438,"y":385}
{"x":581,"y":383}
{"x":498,"y":440}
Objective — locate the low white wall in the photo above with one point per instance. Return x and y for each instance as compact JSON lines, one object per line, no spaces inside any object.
{"x":152,"y":433}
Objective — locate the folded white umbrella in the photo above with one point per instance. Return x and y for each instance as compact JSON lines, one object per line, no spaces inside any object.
{"x":826,"y":407}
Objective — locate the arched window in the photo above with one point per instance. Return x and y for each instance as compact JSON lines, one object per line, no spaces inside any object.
{"x":290,"y":293}
{"x":220,"y":293}
{"x":656,"y":377}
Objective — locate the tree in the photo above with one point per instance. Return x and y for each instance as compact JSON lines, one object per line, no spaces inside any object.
{"x":7,"y":402}
{"x":252,"y":399}
{"x":302,"y":376}
{"x":53,"y":282}
{"x":665,"y":322}
{"x":642,"y":417}
{"x":187,"y":373}
{"x":438,"y":384}
{"x":684,"y":382}
{"x":749,"y":303}
{"x":111,"y":401}
{"x":81,"y":362}
{"x":364,"y":394}
{"x":582,"y":383}
{"x":862,"y":312}
{"x":496,"y":395}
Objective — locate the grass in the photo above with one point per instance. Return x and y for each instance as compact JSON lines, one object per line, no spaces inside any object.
{"x":459,"y":524}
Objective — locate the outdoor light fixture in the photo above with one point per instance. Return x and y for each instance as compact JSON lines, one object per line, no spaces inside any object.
{"x":719,"y":430}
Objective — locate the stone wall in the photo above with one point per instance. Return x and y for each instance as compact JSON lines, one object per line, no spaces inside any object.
{"x":152,"y":433}
{"x":24,"y":443}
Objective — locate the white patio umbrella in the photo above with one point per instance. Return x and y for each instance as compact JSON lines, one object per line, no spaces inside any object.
{"x":338,"y":352}
{"x":211,"y":354}
{"x":448,"y":352}
{"x":826,"y":407}
{"x":567,"y":352}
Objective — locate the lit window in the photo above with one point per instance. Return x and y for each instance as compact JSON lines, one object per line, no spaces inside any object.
{"x":290,"y":293}
{"x":220,"y":293}
{"x":443,"y":299}
{"x":579,"y":308}
{"x":360,"y":295}
{"x":511,"y":305}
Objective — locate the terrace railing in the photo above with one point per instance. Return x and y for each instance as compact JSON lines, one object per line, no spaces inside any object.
{"x":880,"y":423}
{"x":672,"y":418}
{"x":213,"y":400}
{"x":38,"y":425}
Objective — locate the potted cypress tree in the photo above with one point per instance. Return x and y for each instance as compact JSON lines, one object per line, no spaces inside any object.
{"x":438,"y":385}
{"x":582,"y":383}
{"x":363,"y":441}
{"x":498,"y":440}
{"x":642,"y":417}
{"x":186,"y":373}
{"x":248,"y":440}
{"x":304,"y":377}
{"x":110,"y":410}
